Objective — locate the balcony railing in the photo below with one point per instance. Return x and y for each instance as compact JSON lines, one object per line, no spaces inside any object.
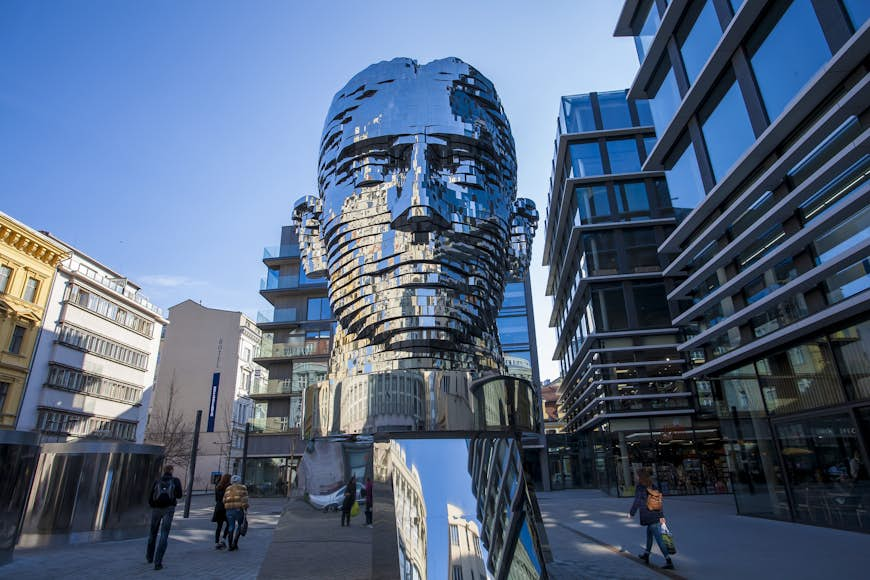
{"x":279,"y":282}
{"x":304,"y":348}
{"x":277,"y":315}
{"x":273,"y":425}
{"x":282,"y":251}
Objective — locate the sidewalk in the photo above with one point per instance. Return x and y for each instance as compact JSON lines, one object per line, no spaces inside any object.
{"x":712,"y":541}
{"x":190,"y":553}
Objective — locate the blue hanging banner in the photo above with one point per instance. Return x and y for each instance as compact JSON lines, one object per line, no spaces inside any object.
{"x":212,"y":403}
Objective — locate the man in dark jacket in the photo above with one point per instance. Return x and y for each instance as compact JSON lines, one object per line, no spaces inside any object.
{"x":652,"y":519}
{"x":165,"y":494}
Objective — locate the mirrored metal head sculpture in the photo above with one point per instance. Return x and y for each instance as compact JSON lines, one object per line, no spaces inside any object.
{"x":417,"y":223}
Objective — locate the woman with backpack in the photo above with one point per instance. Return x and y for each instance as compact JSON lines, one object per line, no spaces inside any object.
{"x":220,"y":512}
{"x":648,"y":500}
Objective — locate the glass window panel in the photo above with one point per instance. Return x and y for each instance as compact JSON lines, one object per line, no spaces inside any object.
{"x":641,"y":249}
{"x":592,"y":201}
{"x":854,"y":231}
{"x":645,"y":35}
{"x":697,"y":38}
{"x":684,"y":179}
{"x":514,"y":296}
{"x":585,"y":159}
{"x":665,"y":98}
{"x":623,"y":156}
{"x":851,"y":348}
{"x":648,"y":144}
{"x":858,"y":10}
{"x":609,"y":306}
{"x":632,"y":197}
{"x":651,"y":304}
{"x":798,"y":379}
{"x":5,"y":274}
{"x":513,"y":329}
{"x":848,"y":281}
{"x":644,"y":115}
{"x":30,"y":289}
{"x":727,"y":130}
{"x":600,"y":251}
{"x":579,"y":117}
{"x":614,"y":110}
{"x":785,"y":52}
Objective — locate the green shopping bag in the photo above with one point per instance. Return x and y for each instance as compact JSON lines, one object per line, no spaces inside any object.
{"x":668,"y":537}
{"x":354,"y":511}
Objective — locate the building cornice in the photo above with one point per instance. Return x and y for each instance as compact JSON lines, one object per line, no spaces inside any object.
{"x":23,"y":239}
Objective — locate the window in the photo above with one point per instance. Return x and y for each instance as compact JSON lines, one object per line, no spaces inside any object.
{"x":623,"y":156}
{"x":647,"y":32}
{"x":614,"y":110}
{"x":4,"y":391}
{"x":785,"y":51}
{"x":513,"y":329}
{"x":665,"y":96}
{"x":631,"y":197}
{"x":859,"y":12}
{"x":17,"y":339}
{"x":585,"y":159}
{"x":651,"y":303}
{"x":578,"y":113}
{"x":318,"y":309}
{"x":697,"y":36}
{"x":600,"y":251}
{"x":30,"y":289}
{"x":726,"y":127}
{"x":454,"y":534}
{"x":851,"y":348}
{"x":641,"y":249}
{"x":648,"y":144}
{"x":684,"y":178}
{"x":5,"y":275}
{"x":609,"y":305}
{"x":592,"y":203}
{"x":514,"y":296}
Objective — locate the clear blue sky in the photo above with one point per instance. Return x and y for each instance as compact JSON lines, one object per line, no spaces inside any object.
{"x":168,"y":139}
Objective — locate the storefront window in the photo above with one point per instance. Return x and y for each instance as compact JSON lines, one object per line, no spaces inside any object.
{"x":785,"y":52}
{"x":827,"y":474}
{"x":799,"y":379}
{"x":851,"y":348}
{"x":270,"y":476}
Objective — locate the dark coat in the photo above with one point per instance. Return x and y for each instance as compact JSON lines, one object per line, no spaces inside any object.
{"x":220,"y":512}
{"x":647,"y":517}
{"x":176,"y":484}
{"x":349,"y":495}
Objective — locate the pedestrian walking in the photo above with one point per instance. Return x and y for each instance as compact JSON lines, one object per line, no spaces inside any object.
{"x":648,"y":501}
{"x":349,"y":499}
{"x":220,"y":512}
{"x":369,"y":501}
{"x":165,"y":494}
{"x":236,"y":504}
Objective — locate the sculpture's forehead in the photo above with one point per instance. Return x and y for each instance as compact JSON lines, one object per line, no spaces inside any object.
{"x":425,"y":104}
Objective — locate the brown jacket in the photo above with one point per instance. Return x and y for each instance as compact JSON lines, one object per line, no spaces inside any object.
{"x":236,"y":497}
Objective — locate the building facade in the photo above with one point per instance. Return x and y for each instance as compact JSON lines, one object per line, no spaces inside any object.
{"x":27,"y":264}
{"x":761,"y":112}
{"x":207,"y":363}
{"x":95,"y":362}
{"x":296,"y":341}
{"x":464,"y":554}
{"x":623,"y":392}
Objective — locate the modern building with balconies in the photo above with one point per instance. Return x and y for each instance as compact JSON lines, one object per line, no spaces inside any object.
{"x":761,"y":109}
{"x":295,"y":347}
{"x":622,"y":391}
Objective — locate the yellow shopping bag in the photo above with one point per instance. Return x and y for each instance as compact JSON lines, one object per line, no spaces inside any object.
{"x":354,"y":511}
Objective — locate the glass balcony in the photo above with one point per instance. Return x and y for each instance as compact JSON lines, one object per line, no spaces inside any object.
{"x":279,"y":282}
{"x":294,"y":348}
{"x":276,"y":387}
{"x":272,"y":425}
{"x":283,"y":251}
{"x":277,"y":315}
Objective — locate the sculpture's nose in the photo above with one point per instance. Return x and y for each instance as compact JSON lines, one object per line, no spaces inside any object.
{"x":419,"y":203}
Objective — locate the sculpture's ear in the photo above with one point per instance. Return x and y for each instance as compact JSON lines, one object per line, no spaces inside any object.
{"x":306,"y":218}
{"x":524,"y":222}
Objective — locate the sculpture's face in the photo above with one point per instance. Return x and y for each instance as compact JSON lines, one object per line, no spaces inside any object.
{"x":417,"y":181}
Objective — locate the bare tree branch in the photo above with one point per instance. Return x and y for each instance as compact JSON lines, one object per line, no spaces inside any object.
{"x":168,"y":428}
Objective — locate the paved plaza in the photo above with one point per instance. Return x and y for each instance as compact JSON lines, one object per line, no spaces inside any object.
{"x":589,"y":534}
{"x":592,"y":537}
{"x":190,"y":553}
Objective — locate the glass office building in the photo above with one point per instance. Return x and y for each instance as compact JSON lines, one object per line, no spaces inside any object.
{"x":296,"y":342}
{"x":761,"y":112}
{"x":623,"y":394}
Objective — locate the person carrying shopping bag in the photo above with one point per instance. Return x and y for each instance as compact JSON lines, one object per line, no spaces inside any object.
{"x":236,"y":504}
{"x":648,"y":501}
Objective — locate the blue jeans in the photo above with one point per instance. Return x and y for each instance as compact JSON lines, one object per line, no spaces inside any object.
{"x":159,"y":516}
{"x":235,"y":517}
{"x":655,"y":531}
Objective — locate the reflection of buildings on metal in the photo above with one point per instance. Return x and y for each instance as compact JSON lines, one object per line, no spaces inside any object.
{"x":410,"y":509}
{"x":90,"y":490}
{"x":19,"y":452}
{"x":504,"y":508}
{"x":463,"y":546}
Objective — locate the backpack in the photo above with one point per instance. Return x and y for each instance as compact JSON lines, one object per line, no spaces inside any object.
{"x":653,"y":500}
{"x":163,"y":493}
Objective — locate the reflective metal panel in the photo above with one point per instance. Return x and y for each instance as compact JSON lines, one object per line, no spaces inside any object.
{"x":92,"y":490}
{"x":19,"y":452}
